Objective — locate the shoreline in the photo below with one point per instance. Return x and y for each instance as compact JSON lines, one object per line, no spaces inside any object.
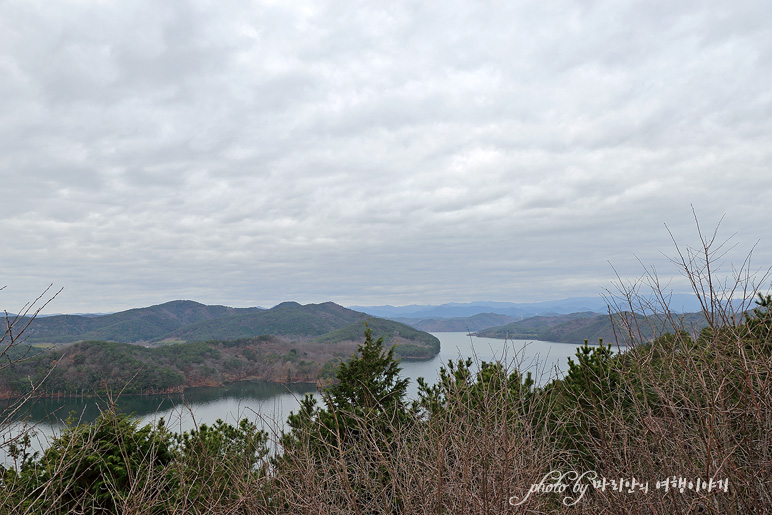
{"x":4,"y":396}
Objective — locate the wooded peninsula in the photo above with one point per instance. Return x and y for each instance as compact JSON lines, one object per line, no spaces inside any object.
{"x":183,"y":344}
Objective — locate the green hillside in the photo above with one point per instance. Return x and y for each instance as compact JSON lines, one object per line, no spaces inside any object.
{"x":134,"y":325}
{"x":577,"y":327}
{"x":410,"y":342}
{"x":92,"y":367}
{"x":188,"y":344}
{"x":288,"y":319}
{"x":187,"y":321}
{"x":98,"y":367}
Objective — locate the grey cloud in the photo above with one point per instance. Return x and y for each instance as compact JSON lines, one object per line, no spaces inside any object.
{"x":424,"y":152}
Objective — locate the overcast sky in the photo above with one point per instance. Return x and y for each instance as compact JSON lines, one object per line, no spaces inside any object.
{"x":251,"y":152}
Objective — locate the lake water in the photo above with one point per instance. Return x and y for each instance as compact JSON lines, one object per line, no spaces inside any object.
{"x":270,"y":403}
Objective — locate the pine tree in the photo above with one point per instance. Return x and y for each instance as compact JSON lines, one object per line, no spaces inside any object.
{"x":367,"y":392}
{"x":365,"y":410}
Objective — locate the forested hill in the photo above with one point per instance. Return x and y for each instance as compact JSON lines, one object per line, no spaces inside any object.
{"x":188,"y":321}
{"x":131,"y":326}
{"x":290,"y":343}
{"x":287,"y":318}
{"x":94,"y":367}
{"x":577,"y":327}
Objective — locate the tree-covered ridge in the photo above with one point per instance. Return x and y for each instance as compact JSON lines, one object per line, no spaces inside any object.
{"x":134,"y":325}
{"x":288,"y":343}
{"x":96,"y":367}
{"x":577,"y":327}
{"x":187,"y":321}
{"x":408,"y":342}
{"x":91,"y":367}
{"x":287,"y":319}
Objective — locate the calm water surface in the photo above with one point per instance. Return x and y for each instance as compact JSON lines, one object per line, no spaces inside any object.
{"x":269,"y":404}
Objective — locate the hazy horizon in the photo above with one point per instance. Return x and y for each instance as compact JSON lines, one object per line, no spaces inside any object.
{"x":677,"y":302}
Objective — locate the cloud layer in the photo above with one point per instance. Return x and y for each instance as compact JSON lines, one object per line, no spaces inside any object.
{"x":247,"y":153}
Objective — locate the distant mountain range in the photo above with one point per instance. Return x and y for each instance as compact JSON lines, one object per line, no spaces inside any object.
{"x":578,"y":317}
{"x":182,"y":321}
{"x":679,"y":303}
{"x":460,"y":310}
{"x":457,"y":324}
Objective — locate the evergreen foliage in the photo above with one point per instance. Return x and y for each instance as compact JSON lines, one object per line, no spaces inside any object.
{"x":366,"y":387}
{"x":759,"y":325}
{"x":461,"y":389}
{"x":93,"y":466}
{"x":111,"y":463}
{"x":364,"y":413}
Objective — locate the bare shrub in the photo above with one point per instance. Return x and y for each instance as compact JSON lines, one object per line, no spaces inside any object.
{"x":14,"y":436}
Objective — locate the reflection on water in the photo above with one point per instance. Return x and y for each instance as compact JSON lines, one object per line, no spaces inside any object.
{"x":55,"y":411}
{"x":269,"y":404}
